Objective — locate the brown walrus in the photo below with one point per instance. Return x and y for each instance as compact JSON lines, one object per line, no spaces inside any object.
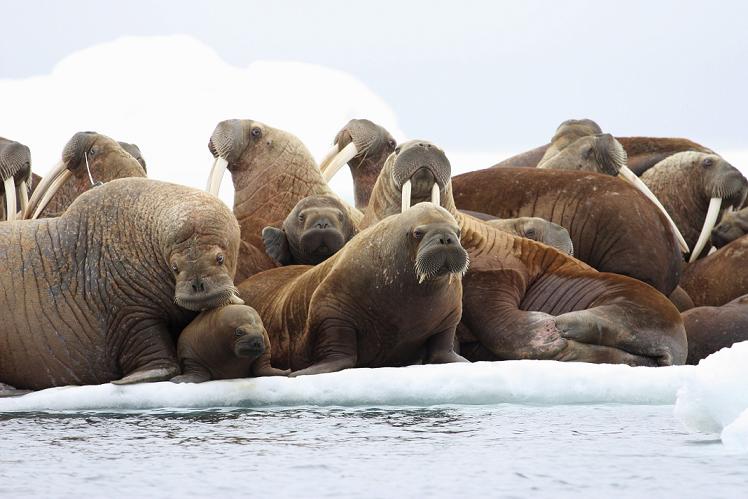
{"x":719,"y":277}
{"x":566,"y":134}
{"x":88,"y":159}
{"x":99,"y":293}
{"x":271,"y":170}
{"x":522,"y":299}
{"x":733,"y":225}
{"x":224,"y":343}
{"x":712,"y":328}
{"x":390,"y":297}
{"x":316,"y":229}
{"x":134,"y":151}
{"x":696,"y":188}
{"x":15,"y":178}
{"x":536,"y":229}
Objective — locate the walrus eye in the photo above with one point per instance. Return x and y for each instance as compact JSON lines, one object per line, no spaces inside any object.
{"x":92,"y":152}
{"x":174,"y":268}
{"x":238,"y":333}
{"x":301,"y":217}
{"x":418,"y":234}
{"x":530,"y":233}
{"x":391,"y":143}
{"x":219,"y":259}
{"x":256,"y":132}
{"x":397,"y":150}
{"x":708,"y":162}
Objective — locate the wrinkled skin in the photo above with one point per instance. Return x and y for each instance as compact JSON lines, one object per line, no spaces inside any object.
{"x":224,"y":343}
{"x":134,"y":151}
{"x":524,"y":300}
{"x":720,"y":277}
{"x":537,"y":229}
{"x":390,"y":297}
{"x":316,"y":229}
{"x":594,"y":153}
{"x":733,"y":225}
{"x":271,"y":170}
{"x":710,"y":329}
{"x":106,"y":159}
{"x":685,"y":182}
{"x":373,"y":143}
{"x":91,"y":294}
{"x":15,"y":164}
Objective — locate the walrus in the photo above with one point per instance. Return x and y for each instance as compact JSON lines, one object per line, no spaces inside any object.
{"x":536,"y":229}
{"x":316,"y":228}
{"x":100,"y":293}
{"x":695,"y":188}
{"x":567,"y":133}
{"x":134,"y":151}
{"x":712,"y":328}
{"x":271,"y":170}
{"x":15,"y":178}
{"x":733,"y":225}
{"x":525,"y":300}
{"x":224,"y":343}
{"x":364,"y":146}
{"x":390,"y":297}
{"x":719,"y":277}
{"x":88,"y":160}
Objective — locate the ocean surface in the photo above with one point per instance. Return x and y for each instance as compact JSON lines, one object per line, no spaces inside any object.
{"x":500,"y":450}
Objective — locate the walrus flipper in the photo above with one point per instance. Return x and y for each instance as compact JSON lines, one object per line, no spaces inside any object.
{"x":148,"y":376}
{"x":276,"y":245}
{"x":336,"y":349}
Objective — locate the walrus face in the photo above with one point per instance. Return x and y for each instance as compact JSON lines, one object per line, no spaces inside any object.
{"x":316,"y":229}
{"x":88,"y":159}
{"x":134,"y":151}
{"x":571,"y":130}
{"x":242,"y":331}
{"x":15,"y":176}
{"x":537,"y":229}
{"x":421,"y":171}
{"x":734,"y":225}
{"x":593,"y":153}
{"x":437,"y":252}
{"x":359,"y":143}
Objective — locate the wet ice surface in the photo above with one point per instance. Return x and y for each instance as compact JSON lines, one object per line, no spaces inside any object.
{"x":501,"y":450}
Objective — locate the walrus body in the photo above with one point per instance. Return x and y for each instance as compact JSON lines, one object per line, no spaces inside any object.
{"x":92,"y":296}
{"x":711,"y":328}
{"x":720,"y":277}
{"x":525,"y":300}
{"x":390,"y":297}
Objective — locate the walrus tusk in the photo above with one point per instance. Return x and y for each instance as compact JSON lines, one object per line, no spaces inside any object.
{"x":24,"y":192}
{"x":435,"y":194}
{"x":348,"y":153}
{"x":42,"y":187}
{"x":235,"y":300}
{"x":327,"y":157}
{"x":631,"y":177}
{"x":216,"y":175}
{"x":58,"y":182}
{"x":406,"y":196}
{"x":711,"y":218}
{"x":10,"y":199}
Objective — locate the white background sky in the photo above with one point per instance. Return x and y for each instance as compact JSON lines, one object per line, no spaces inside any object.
{"x":484,"y":78}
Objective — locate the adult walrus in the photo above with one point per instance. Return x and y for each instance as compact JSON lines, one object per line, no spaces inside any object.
{"x":224,"y":343}
{"x":712,"y":328}
{"x":88,"y":159}
{"x":316,"y":228}
{"x":271,"y":170}
{"x":390,"y":297}
{"x":522,"y":299}
{"x":15,"y":177}
{"x":99,"y":293}
{"x":719,"y":277}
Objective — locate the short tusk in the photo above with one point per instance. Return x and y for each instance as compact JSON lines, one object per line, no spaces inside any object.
{"x":216,"y":175}
{"x":10,"y":199}
{"x":58,"y":182}
{"x":711,"y":218}
{"x":46,"y":181}
{"x":235,"y":300}
{"x":348,"y":153}
{"x":24,"y":193}
{"x":406,"y":196}
{"x":631,"y":177}
{"x":712,"y":250}
{"x":435,"y":194}
{"x":327,"y":158}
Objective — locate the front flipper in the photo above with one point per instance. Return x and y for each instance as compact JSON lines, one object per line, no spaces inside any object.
{"x":9,"y":391}
{"x":190,"y":378}
{"x":148,"y":354}
{"x":148,"y":376}
{"x":441,"y":348}
{"x":335,"y":348}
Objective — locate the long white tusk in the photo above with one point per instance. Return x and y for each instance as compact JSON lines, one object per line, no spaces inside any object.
{"x":435,"y":194}
{"x":327,"y":157}
{"x":10,"y":199}
{"x":24,"y":192}
{"x":348,"y":153}
{"x":627,"y":174}
{"x":406,"y":196}
{"x":216,"y":175}
{"x":706,"y":230}
{"x":58,"y":182}
{"x":42,"y":187}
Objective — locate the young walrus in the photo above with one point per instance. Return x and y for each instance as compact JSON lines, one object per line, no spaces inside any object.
{"x":224,"y":343}
{"x":391,"y":297}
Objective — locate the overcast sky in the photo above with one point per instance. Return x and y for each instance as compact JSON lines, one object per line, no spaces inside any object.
{"x":469,"y":75}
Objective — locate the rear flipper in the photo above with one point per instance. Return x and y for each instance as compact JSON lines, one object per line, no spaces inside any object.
{"x":148,"y":376}
{"x":9,"y":391}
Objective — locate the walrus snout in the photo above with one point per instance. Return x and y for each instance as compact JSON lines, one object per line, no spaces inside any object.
{"x":250,"y":345}
{"x":204,"y":282}
{"x":421,"y":155}
{"x":321,"y":241}
{"x":439,"y":253}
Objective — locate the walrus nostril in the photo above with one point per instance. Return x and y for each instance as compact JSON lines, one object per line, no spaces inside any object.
{"x":197,"y":285}
{"x":322,"y":224}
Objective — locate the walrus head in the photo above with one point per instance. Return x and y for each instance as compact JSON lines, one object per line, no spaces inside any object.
{"x":600,"y":153}
{"x":241,"y":331}
{"x":421,"y":171}
{"x":734,"y":224}
{"x":134,"y":151}
{"x":15,"y":176}
{"x":88,"y":159}
{"x":569,"y":132}
{"x":316,"y":228}
{"x":537,"y":229}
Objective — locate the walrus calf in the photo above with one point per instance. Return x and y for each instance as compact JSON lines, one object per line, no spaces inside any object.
{"x":316,"y":229}
{"x":390,"y":297}
{"x":734,"y":225}
{"x":224,"y":343}
{"x":537,"y":229}
{"x":100,"y":293}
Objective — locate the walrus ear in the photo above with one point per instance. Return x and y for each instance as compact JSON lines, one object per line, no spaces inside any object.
{"x":276,"y":245}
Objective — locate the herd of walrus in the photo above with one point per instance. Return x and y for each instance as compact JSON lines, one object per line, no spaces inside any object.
{"x":592,"y":248}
